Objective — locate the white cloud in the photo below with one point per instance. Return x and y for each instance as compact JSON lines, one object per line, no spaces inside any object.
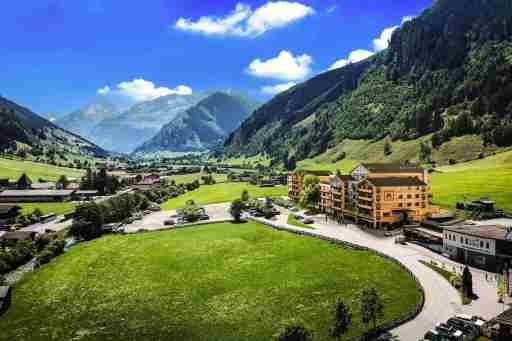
{"x":382,"y":42}
{"x":244,"y":22}
{"x":277,"y":89}
{"x":283,"y":67}
{"x":143,"y":90}
{"x":354,"y":57}
{"x":103,"y":91}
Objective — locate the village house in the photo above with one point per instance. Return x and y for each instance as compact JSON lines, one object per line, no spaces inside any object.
{"x":487,"y":247}
{"x":379,"y":194}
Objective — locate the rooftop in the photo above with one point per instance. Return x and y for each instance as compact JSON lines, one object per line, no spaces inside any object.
{"x":495,"y":232}
{"x":4,"y":209}
{"x":504,"y":318}
{"x":396,"y":182}
{"x":393,"y":167}
{"x":35,"y":193}
{"x":316,"y":172}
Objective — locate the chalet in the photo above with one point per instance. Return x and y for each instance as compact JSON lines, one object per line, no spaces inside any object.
{"x":5,"y":298}
{"x":33,"y":195}
{"x":11,"y":238}
{"x":24,"y":182}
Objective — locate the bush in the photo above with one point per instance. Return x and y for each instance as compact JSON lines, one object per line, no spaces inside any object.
{"x":45,"y":257}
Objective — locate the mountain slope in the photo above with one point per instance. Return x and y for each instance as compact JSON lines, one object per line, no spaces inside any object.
{"x":124,"y":132}
{"x":448,"y":72}
{"x":202,"y":126}
{"x":85,"y":120}
{"x":20,"y":125}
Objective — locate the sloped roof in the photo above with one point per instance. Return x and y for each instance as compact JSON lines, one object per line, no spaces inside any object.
{"x":392,"y":167}
{"x":483,"y":231}
{"x":396,"y":182}
{"x":35,"y":193}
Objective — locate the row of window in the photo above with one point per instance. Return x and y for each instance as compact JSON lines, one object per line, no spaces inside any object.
{"x":466,"y":241}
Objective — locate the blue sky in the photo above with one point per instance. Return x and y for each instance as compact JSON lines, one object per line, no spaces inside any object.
{"x":56,"y":55}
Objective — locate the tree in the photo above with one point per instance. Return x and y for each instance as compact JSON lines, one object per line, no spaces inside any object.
{"x":372,"y":308}
{"x":310,"y":190}
{"x":387,"y":147}
{"x":63,"y":182}
{"x":236,"y":210}
{"x":89,"y":220}
{"x":295,"y":332}
{"x":467,"y":282}
{"x":37,"y":212}
{"x":342,"y":320}
{"x":245,"y":196}
{"x":425,"y":152}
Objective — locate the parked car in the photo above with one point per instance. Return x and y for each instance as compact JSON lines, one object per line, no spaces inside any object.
{"x":169,"y":222}
{"x":308,"y":221}
{"x":299,"y":217}
{"x":204,"y":217}
{"x":146,"y":212}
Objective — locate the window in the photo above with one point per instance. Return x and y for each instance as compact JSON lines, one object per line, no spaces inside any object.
{"x":409,"y":204}
{"x":417,"y":196}
{"x":400,"y":205}
{"x":417,"y":204}
{"x":487,"y":245}
{"x":400,"y":196}
{"x":481,"y":244}
{"x":409,"y":196}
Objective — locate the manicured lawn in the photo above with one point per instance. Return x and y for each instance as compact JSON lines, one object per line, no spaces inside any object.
{"x":225,"y":282}
{"x":293,"y":221}
{"x":48,"y":207}
{"x":13,"y":169}
{"x":223,"y":192}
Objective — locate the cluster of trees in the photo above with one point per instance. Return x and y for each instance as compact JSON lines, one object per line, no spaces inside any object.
{"x":100,"y":181}
{"x":43,"y":249}
{"x":371,"y":311}
{"x":90,"y":217}
{"x":29,"y":219}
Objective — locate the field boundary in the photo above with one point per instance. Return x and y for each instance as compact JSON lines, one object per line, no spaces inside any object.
{"x":385,"y":326}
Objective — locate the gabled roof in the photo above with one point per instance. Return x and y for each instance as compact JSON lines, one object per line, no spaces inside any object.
{"x":396,"y":182}
{"x":392,"y":167}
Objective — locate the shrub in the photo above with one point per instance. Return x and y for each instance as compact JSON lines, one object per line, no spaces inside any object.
{"x":45,"y":256}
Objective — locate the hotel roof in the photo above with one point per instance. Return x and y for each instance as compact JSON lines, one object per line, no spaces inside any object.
{"x":393,"y":167}
{"x":396,"y":182}
{"x":495,"y":232}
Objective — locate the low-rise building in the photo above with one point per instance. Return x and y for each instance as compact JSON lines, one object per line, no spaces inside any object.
{"x":488,"y":247}
{"x":32,"y":195}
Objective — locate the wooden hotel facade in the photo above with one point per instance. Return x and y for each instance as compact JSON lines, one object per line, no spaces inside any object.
{"x":379,"y":194}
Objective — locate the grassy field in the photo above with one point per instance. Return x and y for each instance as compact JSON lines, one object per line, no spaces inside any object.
{"x":225,"y":282}
{"x":48,"y":207}
{"x":186,"y":178}
{"x":223,"y":192}
{"x":13,"y":169}
{"x":487,"y":177}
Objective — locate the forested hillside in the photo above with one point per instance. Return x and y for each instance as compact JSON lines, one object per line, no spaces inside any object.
{"x":447,"y":73}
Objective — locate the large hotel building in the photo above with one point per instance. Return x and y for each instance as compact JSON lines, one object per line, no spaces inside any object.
{"x":380,"y":194}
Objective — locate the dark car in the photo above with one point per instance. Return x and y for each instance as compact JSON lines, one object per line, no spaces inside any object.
{"x":299,"y":217}
{"x":169,"y":222}
{"x":204,"y":217}
{"x":308,"y":221}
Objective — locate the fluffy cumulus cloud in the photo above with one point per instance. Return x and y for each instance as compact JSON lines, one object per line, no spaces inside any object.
{"x":243,"y":21}
{"x":354,"y":57}
{"x":285,"y":67}
{"x":143,"y":90}
{"x":276,"y":89}
{"x":382,"y":42}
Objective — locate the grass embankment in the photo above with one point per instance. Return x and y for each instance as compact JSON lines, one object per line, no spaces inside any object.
{"x":223,"y":192}
{"x":225,"y":282}
{"x":58,"y":208}
{"x":448,"y":276}
{"x":13,"y":169}
{"x":295,"y":222}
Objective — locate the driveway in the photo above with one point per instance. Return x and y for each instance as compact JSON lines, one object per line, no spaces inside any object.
{"x":442,"y":301}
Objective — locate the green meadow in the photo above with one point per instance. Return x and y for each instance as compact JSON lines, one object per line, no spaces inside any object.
{"x":223,"y":192}
{"x":225,"y":282}
{"x":13,"y":169}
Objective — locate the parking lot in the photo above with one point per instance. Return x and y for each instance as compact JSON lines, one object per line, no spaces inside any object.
{"x":156,"y":221}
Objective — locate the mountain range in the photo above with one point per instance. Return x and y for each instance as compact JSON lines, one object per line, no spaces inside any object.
{"x":447,"y":73}
{"x":20,"y":126}
{"x":202,"y":126}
